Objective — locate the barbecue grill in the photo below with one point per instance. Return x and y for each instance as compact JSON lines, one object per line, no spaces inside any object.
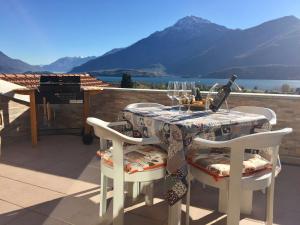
{"x":51,"y":90}
{"x":59,"y":90}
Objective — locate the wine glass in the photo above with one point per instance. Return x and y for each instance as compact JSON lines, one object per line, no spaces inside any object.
{"x":190,"y":94}
{"x":178,"y":93}
{"x":184,"y":94}
{"x":171,"y":91}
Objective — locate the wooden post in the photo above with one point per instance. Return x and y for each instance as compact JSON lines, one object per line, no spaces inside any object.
{"x":33,"y":112}
{"x":86,"y":111}
{"x":33,"y":118}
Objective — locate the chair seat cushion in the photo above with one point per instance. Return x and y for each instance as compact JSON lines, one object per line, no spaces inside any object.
{"x":137,"y":158}
{"x":217,"y":164}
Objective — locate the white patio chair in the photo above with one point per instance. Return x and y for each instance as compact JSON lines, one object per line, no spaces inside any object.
{"x":137,"y":188}
{"x":268,"y":113}
{"x":235,"y":191}
{"x":271,"y":117}
{"x":116,"y":172}
{"x":103,"y":142}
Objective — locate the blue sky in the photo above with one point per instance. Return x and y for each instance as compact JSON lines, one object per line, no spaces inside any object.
{"x":40,"y":31}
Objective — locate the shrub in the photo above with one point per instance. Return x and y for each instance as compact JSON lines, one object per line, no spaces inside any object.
{"x":126,"y":81}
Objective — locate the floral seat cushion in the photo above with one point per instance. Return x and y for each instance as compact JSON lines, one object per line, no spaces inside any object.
{"x":217,"y":164}
{"x":137,"y":158}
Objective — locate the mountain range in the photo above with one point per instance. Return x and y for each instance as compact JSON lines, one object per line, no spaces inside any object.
{"x":9,"y":65}
{"x":65,"y":64}
{"x":195,"y":47}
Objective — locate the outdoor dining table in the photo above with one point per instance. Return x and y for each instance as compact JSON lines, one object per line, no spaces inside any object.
{"x":176,"y":131}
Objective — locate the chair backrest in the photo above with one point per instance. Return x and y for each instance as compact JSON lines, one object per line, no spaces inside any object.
{"x":252,"y":141}
{"x":102,"y":129}
{"x":268,"y":113}
{"x":270,"y":140}
{"x":143,"y":104}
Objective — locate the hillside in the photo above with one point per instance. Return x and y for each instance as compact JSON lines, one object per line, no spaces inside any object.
{"x":194,"y":46}
{"x":65,"y":64}
{"x":10,"y":65}
{"x":188,"y":37}
{"x":272,"y":72}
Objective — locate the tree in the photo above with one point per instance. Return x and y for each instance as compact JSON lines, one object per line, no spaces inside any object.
{"x":126,"y":81}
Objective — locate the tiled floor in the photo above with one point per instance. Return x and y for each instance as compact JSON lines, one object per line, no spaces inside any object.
{"x":57,"y":183}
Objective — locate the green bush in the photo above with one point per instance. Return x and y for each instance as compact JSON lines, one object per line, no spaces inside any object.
{"x":126,"y":81}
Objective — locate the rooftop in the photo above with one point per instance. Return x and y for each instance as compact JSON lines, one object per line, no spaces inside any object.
{"x":32,"y":81}
{"x":57,"y":183}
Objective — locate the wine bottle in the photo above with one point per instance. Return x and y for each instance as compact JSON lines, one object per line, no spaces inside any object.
{"x":198,"y":96}
{"x":222,"y":94}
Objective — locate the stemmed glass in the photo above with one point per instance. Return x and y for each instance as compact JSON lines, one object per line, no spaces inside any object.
{"x":178,"y":93}
{"x":190,"y":94}
{"x":184,"y":91}
{"x":171,"y":91}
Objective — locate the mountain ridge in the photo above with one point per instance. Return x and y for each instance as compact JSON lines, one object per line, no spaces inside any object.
{"x":11,"y":65}
{"x":195,"y":46}
{"x":64,"y":64}
{"x":174,"y":41}
{"x":192,"y":46}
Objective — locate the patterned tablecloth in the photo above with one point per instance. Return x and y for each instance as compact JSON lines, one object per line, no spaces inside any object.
{"x":176,"y":132}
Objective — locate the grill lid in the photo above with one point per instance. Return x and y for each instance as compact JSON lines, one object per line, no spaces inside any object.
{"x":59,"y":89}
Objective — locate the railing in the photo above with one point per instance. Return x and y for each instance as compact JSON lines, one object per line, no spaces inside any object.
{"x":246,"y":94}
{"x":111,"y":101}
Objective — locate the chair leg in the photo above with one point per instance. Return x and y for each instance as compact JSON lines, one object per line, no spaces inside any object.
{"x":135,"y":191}
{"x":270,"y":203}
{"x":246,"y":201}
{"x":149,"y":193}
{"x":118,"y":170}
{"x":118,"y":202}
{"x":188,"y":201}
{"x":234,"y":193}
{"x":223,"y":200}
{"x":103,"y":195}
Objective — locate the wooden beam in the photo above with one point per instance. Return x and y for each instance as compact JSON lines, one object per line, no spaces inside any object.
{"x":8,"y":89}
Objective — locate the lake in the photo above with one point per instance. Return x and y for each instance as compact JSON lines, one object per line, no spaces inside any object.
{"x":247,"y":83}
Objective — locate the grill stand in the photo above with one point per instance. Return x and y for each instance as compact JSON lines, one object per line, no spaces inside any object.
{"x":87,"y":136}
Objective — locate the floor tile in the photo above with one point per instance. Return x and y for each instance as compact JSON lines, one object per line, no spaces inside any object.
{"x":32,"y":218}
{"x":25,"y":195}
{"x":9,"y":211}
{"x":66,"y":185}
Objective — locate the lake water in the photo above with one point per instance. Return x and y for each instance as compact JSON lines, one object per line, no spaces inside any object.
{"x":247,"y":83}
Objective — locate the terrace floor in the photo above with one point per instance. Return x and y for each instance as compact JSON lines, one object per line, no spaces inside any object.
{"x":57,"y":183}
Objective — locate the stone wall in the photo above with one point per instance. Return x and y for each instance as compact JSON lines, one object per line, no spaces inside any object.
{"x":110,"y":102}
